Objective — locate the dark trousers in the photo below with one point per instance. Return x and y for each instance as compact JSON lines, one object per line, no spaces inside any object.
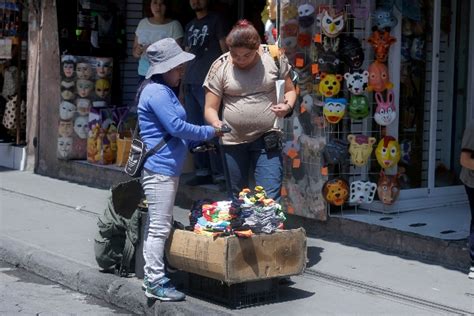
{"x":470,"y":195}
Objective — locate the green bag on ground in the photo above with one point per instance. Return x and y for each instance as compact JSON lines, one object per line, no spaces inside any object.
{"x":119,"y":229}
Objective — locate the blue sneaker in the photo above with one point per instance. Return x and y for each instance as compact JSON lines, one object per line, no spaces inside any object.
{"x":145,"y":283}
{"x":164,"y":291}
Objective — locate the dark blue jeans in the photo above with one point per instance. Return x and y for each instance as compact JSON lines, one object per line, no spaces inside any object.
{"x":470,"y":196}
{"x":266,"y":167}
{"x":204,"y":163}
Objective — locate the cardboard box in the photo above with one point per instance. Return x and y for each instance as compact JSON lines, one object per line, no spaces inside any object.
{"x":236,"y":260}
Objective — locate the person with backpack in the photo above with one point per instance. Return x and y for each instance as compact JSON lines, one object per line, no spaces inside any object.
{"x":243,"y":80}
{"x":160,"y":114}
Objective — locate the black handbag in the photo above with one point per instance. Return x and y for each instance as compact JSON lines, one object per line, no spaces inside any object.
{"x":139,"y":154}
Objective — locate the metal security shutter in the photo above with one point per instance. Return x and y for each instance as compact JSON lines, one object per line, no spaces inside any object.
{"x":129,"y":65}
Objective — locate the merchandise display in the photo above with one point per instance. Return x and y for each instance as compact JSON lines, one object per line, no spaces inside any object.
{"x":86,"y":84}
{"x":345,"y":93}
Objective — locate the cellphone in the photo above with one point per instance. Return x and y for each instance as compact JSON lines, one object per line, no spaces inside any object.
{"x":225,"y":129}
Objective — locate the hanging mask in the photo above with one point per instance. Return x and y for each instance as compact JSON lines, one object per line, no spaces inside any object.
{"x":405,"y":49}
{"x":357,"y":81}
{"x":304,"y":40}
{"x":362,"y":192}
{"x":360,"y":9}
{"x":381,"y":41}
{"x":328,"y":59}
{"x":307,"y":102}
{"x":66,"y":110}
{"x":388,"y":152}
{"x":358,"y":107}
{"x":335,"y":152}
{"x":417,"y":50}
{"x":405,"y":147}
{"x":306,"y":15}
{"x":332,"y":23}
{"x":336,"y":191}
{"x":290,"y":12}
{"x":388,"y":188}
{"x":378,"y":77}
{"x":290,"y":28}
{"x":384,"y":18}
{"x":330,"y":85}
{"x":385,"y":113}
{"x":351,"y":51}
{"x":360,"y":149}
{"x":334,"y":109}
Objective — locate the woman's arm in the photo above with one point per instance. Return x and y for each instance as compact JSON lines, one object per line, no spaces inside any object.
{"x":466,"y":160}
{"x":211,"y":109}
{"x":137,"y":49}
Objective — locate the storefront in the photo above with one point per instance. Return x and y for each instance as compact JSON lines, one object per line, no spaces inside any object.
{"x":420,"y":95}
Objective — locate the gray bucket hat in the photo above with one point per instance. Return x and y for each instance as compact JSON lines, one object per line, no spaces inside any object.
{"x":165,"y":55}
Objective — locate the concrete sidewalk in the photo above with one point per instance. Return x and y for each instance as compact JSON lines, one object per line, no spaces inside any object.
{"x":48,"y":227}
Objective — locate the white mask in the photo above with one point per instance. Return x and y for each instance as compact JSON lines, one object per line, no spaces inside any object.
{"x":66,"y":110}
{"x":81,"y":127}
{"x":64,"y":146}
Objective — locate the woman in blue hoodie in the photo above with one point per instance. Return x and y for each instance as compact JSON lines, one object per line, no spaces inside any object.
{"x":159,"y":114}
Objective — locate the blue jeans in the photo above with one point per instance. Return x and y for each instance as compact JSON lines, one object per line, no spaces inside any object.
{"x":204,"y":163}
{"x":470,"y":196}
{"x":267,"y":167}
{"x":160,"y":192}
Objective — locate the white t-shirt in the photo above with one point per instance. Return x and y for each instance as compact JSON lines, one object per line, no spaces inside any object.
{"x":148,"y":33}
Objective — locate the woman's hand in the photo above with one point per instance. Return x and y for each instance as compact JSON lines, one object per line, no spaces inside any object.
{"x":281,"y":109}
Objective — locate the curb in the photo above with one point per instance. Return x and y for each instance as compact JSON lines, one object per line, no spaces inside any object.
{"x":125,"y":293}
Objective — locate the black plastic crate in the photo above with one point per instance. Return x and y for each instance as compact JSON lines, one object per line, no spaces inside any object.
{"x":238,"y":295}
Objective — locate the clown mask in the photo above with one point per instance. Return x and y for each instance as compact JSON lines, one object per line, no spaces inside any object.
{"x":66,"y":110}
{"x":332,"y":23}
{"x":385,"y":113}
{"x":334,"y":109}
{"x":362,"y":192}
{"x":360,"y":148}
{"x":336,"y":191}
{"x":358,"y":107}
{"x":388,"y":152}
{"x":330,"y":85}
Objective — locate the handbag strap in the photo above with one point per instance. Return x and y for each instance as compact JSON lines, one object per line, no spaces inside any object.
{"x":158,"y":146}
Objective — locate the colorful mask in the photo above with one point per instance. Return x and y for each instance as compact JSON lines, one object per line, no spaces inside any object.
{"x":69,"y":66}
{"x":378,"y":77}
{"x":330,"y":85}
{"x":334,"y":109}
{"x":103,"y":67}
{"x":332,"y":23}
{"x":84,"y":87}
{"x":351,"y":51}
{"x":388,"y":188}
{"x":307,"y":102}
{"x":358,"y":107}
{"x":385,"y":113}
{"x":362,"y":192}
{"x":306,"y":15}
{"x":335,"y":152}
{"x":328,"y":60}
{"x":336,"y":191}
{"x":388,"y":152}
{"x":384,"y":18}
{"x":381,"y":41}
{"x":290,"y":29}
{"x":102,"y":88}
{"x":360,"y":148}
{"x":83,"y":70}
{"x":357,"y":81}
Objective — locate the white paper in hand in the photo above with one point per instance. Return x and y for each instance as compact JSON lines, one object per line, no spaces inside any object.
{"x":280,"y":92}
